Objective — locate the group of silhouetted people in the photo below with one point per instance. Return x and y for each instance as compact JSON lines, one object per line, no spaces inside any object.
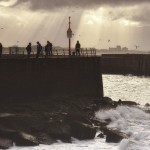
{"x":48,"y":49}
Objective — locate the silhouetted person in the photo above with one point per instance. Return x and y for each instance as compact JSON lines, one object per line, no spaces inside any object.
{"x":77,"y":48}
{"x":1,"y":49}
{"x":46,"y":50}
{"x":29,"y":49}
{"x":39,"y":49}
{"x":50,"y":48}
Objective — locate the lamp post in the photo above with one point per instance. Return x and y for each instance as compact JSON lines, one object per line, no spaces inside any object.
{"x":69,"y":35}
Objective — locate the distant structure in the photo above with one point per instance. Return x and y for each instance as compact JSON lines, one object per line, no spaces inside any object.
{"x":125,"y":49}
{"x":69,"y":35}
{"x":118,"y":48}
{"x":14,"y":50}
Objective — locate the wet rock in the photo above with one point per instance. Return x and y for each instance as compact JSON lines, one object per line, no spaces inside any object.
{"x":81,"y":127}
{"x":105,"y":103}
{"x":99,"y":123}
{"x":45,"y":139}
{"x":80,"y":117}
{"x":128,"y":103}
{"x":147,"y":105}
{"x":82,"y":131}
{"x":24,"y":139}
{"x":7,"y":132}
{"x":24,"y":122}
{"x":114,"y":136}
{"x":59,"y":130}
{"x":5,"y":143}
{"x":101,"y":135}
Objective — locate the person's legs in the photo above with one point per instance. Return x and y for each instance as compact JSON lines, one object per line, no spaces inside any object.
{"x":37,"y":55}
{"x":0,"y":53}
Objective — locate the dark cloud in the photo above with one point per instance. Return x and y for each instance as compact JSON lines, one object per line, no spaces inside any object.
{"x":138,"y":14}
{"x":49,"y":4}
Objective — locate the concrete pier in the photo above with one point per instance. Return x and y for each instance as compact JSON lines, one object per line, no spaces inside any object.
{"x":66,"y":77}
{"x":136,"y":64}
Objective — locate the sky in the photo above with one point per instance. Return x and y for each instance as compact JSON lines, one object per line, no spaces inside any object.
{"x":93,"y":22}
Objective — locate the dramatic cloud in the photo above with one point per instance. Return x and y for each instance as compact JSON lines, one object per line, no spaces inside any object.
{"x":49,"y":4}
{"x":136,"y":13}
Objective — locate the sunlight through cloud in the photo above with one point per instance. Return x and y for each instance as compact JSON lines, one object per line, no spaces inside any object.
{"x":8,"y":3}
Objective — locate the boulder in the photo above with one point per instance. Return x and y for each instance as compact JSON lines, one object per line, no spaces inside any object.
{"x":59,"y":130}
{"x":82,"y":131}
{"x":24,"y":139}
{"x":5,"y":143}
{"x":105,"y":103}
{"x":101,"y":135}
{"x":114,"y":136}
{"x":45,"y":139}
{"x":81,"y":127}
{"x":147,"y":105}
{"x":128,"y":103}
{"x":99,"y":123}
{"x":7,"y":132}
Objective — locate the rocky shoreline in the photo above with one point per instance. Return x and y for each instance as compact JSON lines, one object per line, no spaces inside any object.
{"x":34,"y":123}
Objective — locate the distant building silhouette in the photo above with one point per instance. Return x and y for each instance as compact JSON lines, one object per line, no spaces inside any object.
{"x":125,"y":49}
{"x":118,"y":48}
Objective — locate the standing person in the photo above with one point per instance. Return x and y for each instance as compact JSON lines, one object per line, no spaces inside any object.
{"x":1,"y":49}
{"x":50,"y":48}
{"x":29,"y":49}
{"x":77,"y":48}
{"x":46,"y":49}
{"x":39,"y":49}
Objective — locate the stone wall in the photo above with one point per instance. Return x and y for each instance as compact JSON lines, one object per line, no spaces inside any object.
{"x":136,"y":64}
{"x":32,"y":79}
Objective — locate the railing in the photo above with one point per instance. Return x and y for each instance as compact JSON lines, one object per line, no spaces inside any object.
{"x":55,"y":52}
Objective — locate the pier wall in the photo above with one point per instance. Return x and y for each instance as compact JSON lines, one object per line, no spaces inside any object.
{"x":136,"y":64}
{"x":32,"y":79}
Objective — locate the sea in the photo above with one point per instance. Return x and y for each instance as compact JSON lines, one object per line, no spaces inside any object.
{"x":131,"y":120}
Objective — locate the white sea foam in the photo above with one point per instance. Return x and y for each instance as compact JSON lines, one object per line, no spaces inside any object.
{"x":96,"y":144}
{"x":133,"y":121}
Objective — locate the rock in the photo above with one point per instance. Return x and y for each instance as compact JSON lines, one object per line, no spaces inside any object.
{"x":24,"y":139}
{"x":7,"y":133}
{"x":81,"y":127}
{"x":99,"y":123}
{"x":5,"y":143}
{"x":105,"y":103}
{"x":114,"y":136}
{"x":101,"y":135}
{"x":78,"y":117}
{"x":82,"y":131}
{"x":147,"y":105}
{"x":59,"y":130}
{"x":128,"y":103}
{"x":19,"y":138}
{"x":45,"y":139}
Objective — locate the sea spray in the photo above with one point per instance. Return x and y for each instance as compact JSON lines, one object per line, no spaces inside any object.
{"x":132,"y":121}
